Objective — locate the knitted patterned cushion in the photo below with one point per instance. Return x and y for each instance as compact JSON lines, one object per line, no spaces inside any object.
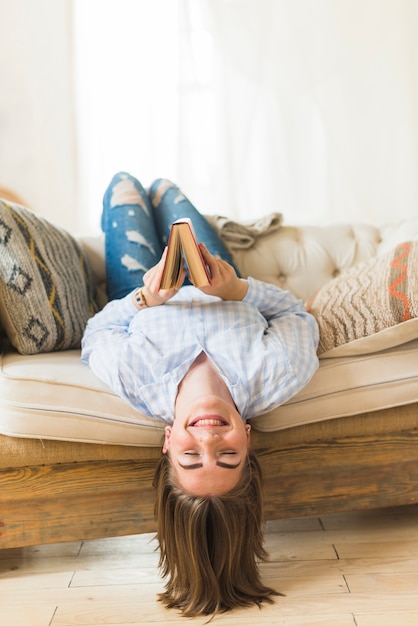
{"x":374,"y":295}
{"x":46,"y":293}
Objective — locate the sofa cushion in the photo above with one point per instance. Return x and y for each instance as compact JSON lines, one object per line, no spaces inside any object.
{"x":46,"y":292}
{"x":350,"y":386}
{"x":372,"y":306}
{"x":56,"y":396}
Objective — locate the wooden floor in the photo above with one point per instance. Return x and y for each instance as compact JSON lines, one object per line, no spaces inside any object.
{"x":342,"y":570}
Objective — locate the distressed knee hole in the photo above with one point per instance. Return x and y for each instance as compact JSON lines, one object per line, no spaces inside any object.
{"x":134,"y":236}
{"x":132,"y":264}
{"x":179,"y":198}
{"x":125,"y":192}
{"x":162,"y":187}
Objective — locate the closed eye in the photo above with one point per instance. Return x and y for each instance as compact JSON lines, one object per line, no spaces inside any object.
{"x":219,"y":463}
{"x":190,"y":453}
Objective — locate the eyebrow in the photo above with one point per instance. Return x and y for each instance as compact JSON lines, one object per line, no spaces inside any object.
{"x":219,"y":463}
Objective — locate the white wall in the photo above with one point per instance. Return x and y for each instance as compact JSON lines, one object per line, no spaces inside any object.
{"x":37,"y":124}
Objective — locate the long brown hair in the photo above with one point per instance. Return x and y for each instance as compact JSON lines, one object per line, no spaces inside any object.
{"x":210,"y":547}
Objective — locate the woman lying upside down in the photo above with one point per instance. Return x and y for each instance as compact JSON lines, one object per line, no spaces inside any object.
{"x":203,"y":361}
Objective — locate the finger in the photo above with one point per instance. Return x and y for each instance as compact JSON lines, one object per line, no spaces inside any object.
{"x":211,"y":261}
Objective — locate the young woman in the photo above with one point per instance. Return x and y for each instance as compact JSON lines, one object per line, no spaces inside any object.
{"x":203,"y":361}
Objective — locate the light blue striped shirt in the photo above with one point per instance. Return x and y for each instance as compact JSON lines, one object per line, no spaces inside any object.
{"x":264,"y":347}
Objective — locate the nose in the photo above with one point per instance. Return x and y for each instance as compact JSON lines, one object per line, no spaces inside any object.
{"x":207,"y":436}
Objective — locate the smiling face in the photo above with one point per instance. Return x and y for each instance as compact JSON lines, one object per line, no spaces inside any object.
{"x":208,"y":446}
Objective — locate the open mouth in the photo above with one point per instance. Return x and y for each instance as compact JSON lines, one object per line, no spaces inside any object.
{"x":208,"y":421}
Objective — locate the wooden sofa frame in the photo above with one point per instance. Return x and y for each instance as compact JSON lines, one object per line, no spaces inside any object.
{"x":58,"y":491}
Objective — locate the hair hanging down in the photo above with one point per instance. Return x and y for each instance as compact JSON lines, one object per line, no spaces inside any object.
{"x":210,"y":547}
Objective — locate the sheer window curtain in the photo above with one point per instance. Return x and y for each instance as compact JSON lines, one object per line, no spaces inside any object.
{"x":144,"y":74}
{"x":304,"y":107}
{"x":307,"y":107}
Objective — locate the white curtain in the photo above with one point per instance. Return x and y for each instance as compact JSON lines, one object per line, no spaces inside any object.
{"x":307,"y":107}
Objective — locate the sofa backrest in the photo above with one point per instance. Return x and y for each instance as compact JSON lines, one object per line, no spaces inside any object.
{"x":298,"y":258}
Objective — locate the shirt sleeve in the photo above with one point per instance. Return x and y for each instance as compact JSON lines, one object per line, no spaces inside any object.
{"x":292,"y":328}
{"x":105,"y":338}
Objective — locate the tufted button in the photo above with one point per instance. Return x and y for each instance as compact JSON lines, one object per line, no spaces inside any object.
{"x":336,"y":272}
{"x":282,"y":280}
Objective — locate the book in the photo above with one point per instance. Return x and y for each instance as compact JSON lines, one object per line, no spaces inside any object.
{"x":182,"y":242}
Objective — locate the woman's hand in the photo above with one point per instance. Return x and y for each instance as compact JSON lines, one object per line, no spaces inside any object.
{"x":225,"y":282}
{"x":155,"y":296}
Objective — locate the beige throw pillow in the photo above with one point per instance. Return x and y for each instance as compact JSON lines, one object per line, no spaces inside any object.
{"x":365,"y":303}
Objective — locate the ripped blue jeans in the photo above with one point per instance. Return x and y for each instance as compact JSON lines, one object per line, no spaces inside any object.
{"x":136,"y":223}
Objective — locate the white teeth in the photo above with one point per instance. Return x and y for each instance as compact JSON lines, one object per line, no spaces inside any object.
{"x":208,"y":422}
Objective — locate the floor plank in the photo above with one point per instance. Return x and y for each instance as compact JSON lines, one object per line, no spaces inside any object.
{"x":356,"y":569}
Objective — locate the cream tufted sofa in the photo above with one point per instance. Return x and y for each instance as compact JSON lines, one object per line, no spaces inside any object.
{"x":77,"y":463}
